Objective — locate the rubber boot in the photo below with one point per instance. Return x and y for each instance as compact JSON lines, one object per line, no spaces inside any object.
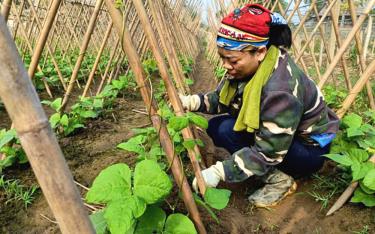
{"x":277,"y":186}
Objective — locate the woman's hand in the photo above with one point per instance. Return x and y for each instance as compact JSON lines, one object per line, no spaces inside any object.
{"x":190,"y":102}
{"x":211,"y":176}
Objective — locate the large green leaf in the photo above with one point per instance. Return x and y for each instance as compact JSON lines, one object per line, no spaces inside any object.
{"x":152,"y":221}
{"x":54,"y":119}
{"x":189,"y":144}
{"x":354,"y":131}
{"x":134,"y":144}
{"x":365,"y":188}
{"x":120,"y":215}
{"x":112,"y":183}
{"x":217,"y":198}
{"x":366,"y":199}
{"x":358,"y":154}
{"x":198,"y":120}
{"x":178,"y":123}
{"x":7,"y":137}
{"x":369,"y":180}
{"x":352,"y":120}
{"x":56,"y":104}
{"x":339,"y":158}
{"x":99,"y":223}
{"x":179,"y":224}
{"x":360,"y":170}
{"x":150,"y":182}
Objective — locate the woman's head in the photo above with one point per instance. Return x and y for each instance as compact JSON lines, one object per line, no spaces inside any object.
{"x":244,"y":36}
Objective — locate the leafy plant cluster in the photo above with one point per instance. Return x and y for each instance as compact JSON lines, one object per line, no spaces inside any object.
{"x":10,"y":149}
{"x":333,"y":96}
{"x":351,"y":150}
{"x":133,"y":201}
{"x":86,"y":107}
{"x":15,"y":191}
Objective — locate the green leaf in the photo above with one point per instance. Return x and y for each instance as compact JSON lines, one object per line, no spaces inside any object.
{"x":197,"y":120}
{"x":99,"y":223}
{"x":179,"y":224}
{"x":54,"y":120}
{"x":56,"y":104}
{"x":150,"y":182}
{"x":353,"y":131}
{"x":178,"y":122}
{"x":7,"y":137}
{"x":64,"y":120}
{"x":352,"y":120}
{"x":120,"y":215}
{"x":217,"y":198}
{"x":98,"y":103}
{"x":89,"y":114}
{"x":189,"y":81}
{"x":199,"y":142}
{"x":339,"y":158}
{"x":152,"y":221}
{"x":369,"y":180}
{"x":133,"y":144}
{"x":365,"y":189}
{"x":112,"y":183}
{"x":360,"y":196}
{"x":189,"y":144}
{"x":358,"y":154}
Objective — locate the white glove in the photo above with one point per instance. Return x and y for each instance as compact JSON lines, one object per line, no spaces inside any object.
{"x":190,"y":102}
{"x":211,"y":176}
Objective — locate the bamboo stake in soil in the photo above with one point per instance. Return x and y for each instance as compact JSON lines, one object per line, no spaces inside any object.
{"x":165,"y":140}
{"x":82,"y":52}
{"x":38,"y":140}
{"x":172,"y":92}
{"x":43,"y":38}
{"x":346,"y":194}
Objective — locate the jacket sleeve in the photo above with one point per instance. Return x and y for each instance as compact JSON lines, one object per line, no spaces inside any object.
{"x":280,"y":115}
{"x":210,"y":101}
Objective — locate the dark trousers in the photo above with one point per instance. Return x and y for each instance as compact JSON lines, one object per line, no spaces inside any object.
{"x":301,"y":159}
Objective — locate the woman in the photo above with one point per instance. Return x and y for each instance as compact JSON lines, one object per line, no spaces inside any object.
{"x":278,"y":124}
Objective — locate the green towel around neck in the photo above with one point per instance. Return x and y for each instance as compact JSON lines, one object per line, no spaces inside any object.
{"x":248,"y":118}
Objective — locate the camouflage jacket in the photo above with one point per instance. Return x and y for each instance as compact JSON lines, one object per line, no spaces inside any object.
{"x":291,"y":106}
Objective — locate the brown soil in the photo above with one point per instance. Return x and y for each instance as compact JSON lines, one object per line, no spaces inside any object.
{"x":94,"y":148}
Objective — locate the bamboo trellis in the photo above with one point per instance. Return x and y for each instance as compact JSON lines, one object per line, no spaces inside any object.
{"x":61,"y":28}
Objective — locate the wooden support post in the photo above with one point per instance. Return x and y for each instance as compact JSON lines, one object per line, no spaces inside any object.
{"x":172,"y":92}
{"x":97,"y":60}
{"x":5,"y":9}
{"x":165,"y":140}
{"x":38,"y":140}
{"x":43,"y":37}
{"x":82,"y":52}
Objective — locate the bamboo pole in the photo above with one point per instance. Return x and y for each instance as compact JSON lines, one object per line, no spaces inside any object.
{"x":5,"y":9}
{"x":335,"y":23}
{"x":43,"y":37}
{"x":38,"y":140}
{"x":169,"y":50}
{"x":97,"y":60}
{"x":49,"y":49}
{"x":356,"y":89}
{"x":346,"y":43}
{"x":172,"y":92}
{"x":165,"y":140}
{"x":82,"y":52}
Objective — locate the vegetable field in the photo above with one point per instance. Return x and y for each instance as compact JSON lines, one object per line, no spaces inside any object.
{"x":94,"y":138}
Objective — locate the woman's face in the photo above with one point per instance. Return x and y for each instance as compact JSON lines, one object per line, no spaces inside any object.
{"x":241,"y":64}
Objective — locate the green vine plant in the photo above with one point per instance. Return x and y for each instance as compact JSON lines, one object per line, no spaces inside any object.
{"x":351,"y":149}
{"x":132,"y":201}
{"x":146,"y":145}
{"x":10,"y":149}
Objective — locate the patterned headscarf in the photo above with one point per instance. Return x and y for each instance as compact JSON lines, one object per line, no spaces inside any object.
{"x":247,"y":26}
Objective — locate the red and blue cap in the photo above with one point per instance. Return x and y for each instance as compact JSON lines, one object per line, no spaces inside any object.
{"x":247,"y":26}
